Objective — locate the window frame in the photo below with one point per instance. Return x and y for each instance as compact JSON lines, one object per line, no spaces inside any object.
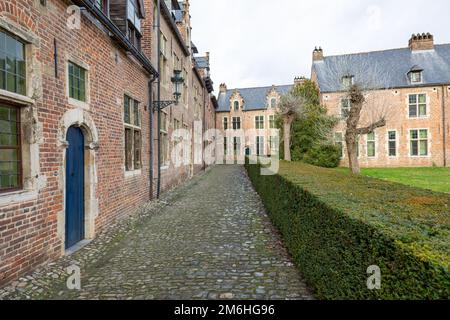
{"x":272,"y":122}
{"x":417,"y":105}
{"x":418,"y":140}
{"x":236,"y":105}
{"x":371,"y":141}
{"x":85,"y":81}
{"x":412,"y":74}
{"x":259,"y":122}
{"x":133,"y":128}
{"x":273,"y":103}
{"x":17,"y":75}
{"x":342,"y":108}
{"x":389,"y":140}
{"x":236,"y":121}
{"x":340,"y":142}
{"x":18,"y":148}
{"x":225,"y":123}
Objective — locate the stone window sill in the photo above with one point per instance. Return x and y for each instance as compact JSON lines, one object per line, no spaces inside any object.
{"x":15,"y":97}
{"x":13,"y":197}
{"x":134,"y":173}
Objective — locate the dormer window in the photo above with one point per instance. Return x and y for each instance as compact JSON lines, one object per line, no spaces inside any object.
{"x":134,"y":23}
{"x":347,"y":81}
{"x":273,"y":103}
{"x":236,"y":105}
{"x":416,"y":76}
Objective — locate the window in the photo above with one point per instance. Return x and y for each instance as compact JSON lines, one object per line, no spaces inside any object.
{"x":392,"y":143}
{"x":225,"y":123}
{"x":259,"y":145}
{"x":273,"y":103}
{"x":164,"y":140}
{"x":273,"y":144}
{"x":102,"y":5}
{"x":12,"y":64}
{"x":347,"y":81}
{"x":10,"y":155}
{"x":345,"y":108}
{"x":417,"y":105}
{"x":371,"y":145}
{"x":237,"y":146}
{"x":236,"y":123}
{"x":132,"y":16}
{"x":419,"y":143}
{"x":77,"y":82}
{"x":163,"y":49}
{"x":225,"y":145}
{"x":338,"y":140}
{"x":272,"y":124}
{"x":236,"y":105}
{"x":133,"y":144}
{"x":259,"y":122}
{"x":416,"y":77}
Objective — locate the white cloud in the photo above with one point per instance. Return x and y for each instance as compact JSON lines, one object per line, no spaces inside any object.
{"x":265,"y":42}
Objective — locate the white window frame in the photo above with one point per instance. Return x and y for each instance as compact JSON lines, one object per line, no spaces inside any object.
{"x":375,"y":145}
{"x":272,"y":118}
{"x":133,"y":127}
{"x":257,"y":138}
{"x":414,"y":73}
{"x":223,"y":123}
{"x":428,"y":143}
{"x":341,"y":108}
{"x":258,"y":120}
{"x":390,"y":140}
{"x":427,"y":109}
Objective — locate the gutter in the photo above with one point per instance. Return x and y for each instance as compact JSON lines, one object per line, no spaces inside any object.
{"x":118,"y":35}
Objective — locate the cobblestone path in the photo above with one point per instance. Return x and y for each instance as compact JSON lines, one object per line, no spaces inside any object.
{"x":209,"y":239}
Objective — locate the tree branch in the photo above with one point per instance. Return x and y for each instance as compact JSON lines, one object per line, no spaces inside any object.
{"x":380,"y":123}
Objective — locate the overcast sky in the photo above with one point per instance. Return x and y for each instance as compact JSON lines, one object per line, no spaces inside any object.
{"x":265,"y":42}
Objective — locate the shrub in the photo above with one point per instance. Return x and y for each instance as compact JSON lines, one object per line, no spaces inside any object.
{"x":336,"y":225}
{"x":327,"y":156}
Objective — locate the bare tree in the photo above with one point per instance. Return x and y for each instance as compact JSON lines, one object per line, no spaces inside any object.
{"x":364,"y":84}
{"x":291,"y":108}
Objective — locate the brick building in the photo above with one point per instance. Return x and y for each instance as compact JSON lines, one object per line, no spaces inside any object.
{"x":415,"y":84}
{"x":75,"y":108}
{"x":250,"y":109}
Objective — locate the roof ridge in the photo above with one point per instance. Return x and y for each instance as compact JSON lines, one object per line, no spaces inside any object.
{"x":378,"y":51}
{"x":263,"y":87}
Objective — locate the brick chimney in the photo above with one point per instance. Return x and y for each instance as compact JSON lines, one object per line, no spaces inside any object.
{"x":318,"y":54}
{"x":424,"y":41}
{"x":223,"y":88}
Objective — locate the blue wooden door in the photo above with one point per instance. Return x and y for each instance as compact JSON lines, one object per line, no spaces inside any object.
{"x":74,"y":187}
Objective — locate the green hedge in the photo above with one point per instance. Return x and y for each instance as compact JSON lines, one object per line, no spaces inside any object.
{"x":336,"y":225}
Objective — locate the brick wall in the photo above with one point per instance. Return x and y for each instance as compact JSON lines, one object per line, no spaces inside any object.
{"x":30,"y":221}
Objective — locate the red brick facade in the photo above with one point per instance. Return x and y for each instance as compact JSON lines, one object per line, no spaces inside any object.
{"x":32,"y":219}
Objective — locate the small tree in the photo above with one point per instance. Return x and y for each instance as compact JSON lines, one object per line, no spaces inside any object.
{"x":291,"y":107}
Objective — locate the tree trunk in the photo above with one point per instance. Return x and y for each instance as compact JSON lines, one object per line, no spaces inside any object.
{"x":352,"y":151}
{"x":287,"y":138}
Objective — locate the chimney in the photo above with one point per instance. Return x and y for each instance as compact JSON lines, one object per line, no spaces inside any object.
{"x":299,"y":80}
{"x":223,"y":88}
{"x":318,"y":54}
{"x":424,"y":41}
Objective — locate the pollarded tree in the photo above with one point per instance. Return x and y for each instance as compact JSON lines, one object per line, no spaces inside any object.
{"x":291,"y":107}
{"x":363,"y":84}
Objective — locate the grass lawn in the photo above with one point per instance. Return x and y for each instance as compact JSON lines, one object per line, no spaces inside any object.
{"x":436,"y":179}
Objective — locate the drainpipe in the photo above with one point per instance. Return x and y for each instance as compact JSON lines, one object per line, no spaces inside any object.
{"x":204,"y":130}
{"x":158,"y":35}
{"x":150,"y":106}
{"x":444,"y":133}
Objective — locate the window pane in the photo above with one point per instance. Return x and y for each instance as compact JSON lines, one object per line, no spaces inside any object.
{"x":423,"y":148}
{"x":126,"y":109}
{"x":2,"y":60}
{"x":392,"y":135}
{"x":413,"y":110}
{"x":414,"y":134}
{"x":422,"y":110}
{"x":371,"y":136}
{"x":137,"y":150}
{"x":423,"y":134}
{"x":371,"y":149}
{"x":137,"y":120}
{"x":128,"y":149}
{"x":392,"y":148}
{"x":414,"y":148}
{"x":412,"y":98}
{"x":422,"y":98}
{"x":77,"y":82}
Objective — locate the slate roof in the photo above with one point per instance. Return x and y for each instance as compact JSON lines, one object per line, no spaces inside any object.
{"x":254,"y":98}
{"x":394,"y":66}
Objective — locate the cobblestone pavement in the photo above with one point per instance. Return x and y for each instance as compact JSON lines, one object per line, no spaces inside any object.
{"x":209,"y":239}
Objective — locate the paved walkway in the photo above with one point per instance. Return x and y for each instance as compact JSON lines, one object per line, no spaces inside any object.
{"x":209,"y":239}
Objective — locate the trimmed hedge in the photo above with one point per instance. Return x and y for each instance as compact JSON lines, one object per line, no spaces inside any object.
{"x":336,"y":225}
